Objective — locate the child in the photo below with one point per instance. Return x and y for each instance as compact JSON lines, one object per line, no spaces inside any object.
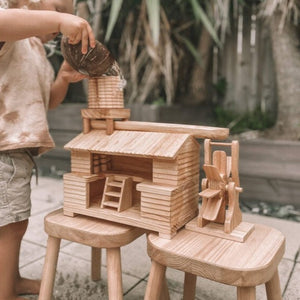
{"x":26,"y":91}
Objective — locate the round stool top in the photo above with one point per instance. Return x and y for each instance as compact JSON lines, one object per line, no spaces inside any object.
{"x":90,"y":231}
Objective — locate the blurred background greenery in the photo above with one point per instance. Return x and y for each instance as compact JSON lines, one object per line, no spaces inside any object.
{"x":238,"y":58}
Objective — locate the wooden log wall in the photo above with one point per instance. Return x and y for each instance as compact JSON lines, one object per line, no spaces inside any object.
{"x":169,"y":207}
{"x":81,"y":192}
{"x":137,"y":166}
{"x":81,"y":162}
{"x":172,"y":198}
{"x":76,"y":192}
{"x":184,"y":168}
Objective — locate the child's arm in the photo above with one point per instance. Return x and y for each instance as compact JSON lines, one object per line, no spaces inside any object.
{"x":60,"y":86}
{"x":16,"y":24}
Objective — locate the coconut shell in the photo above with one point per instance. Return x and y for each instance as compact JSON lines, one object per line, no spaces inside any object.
{"x":96,"y":62}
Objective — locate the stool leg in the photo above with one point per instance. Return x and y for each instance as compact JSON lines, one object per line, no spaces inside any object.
{"x":155,"y":281}
{"x":114,"y":274}
{"x":273,"y":288}
{"x":164,"y":295}
{"x":246,"y":293}
{"x":96,"y":263}
{"x":189,"y":286}
{"x":49,"y":268}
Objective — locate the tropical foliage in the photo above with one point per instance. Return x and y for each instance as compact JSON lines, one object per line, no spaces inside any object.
{"x":165,"y":48}
{"x":159,"y":44}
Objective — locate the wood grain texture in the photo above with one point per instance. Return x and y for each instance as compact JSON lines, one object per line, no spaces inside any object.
{"x":131,"y":216}
{"x":239,"y":234}
{"x":114,"y":274}
{"x":273,"y":287}
{"x":130,"y":143}
{"x":240,"y":264}
{"x":102,"y":113}
{"x":49,"y":268}
{"x":221,"y":187}
{"x":156,"y":278}
{"x":96,"y":256}
{"x":197,"y":131}
{"x":90,"y":231}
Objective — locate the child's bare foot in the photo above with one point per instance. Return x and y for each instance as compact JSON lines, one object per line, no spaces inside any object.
{"x":27,"y":286}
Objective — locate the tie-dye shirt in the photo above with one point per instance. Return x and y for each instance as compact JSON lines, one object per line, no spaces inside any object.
{"x":3,"y":4}
{"x":25,"y":81}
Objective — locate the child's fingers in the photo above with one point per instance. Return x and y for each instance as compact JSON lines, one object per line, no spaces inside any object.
{"x":84,"y":41}
{"x":91,"y":37}
{"x":75,"y":38}
{"x":87,"y":38}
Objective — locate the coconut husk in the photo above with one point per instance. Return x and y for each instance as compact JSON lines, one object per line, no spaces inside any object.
{"x":96,"y":62}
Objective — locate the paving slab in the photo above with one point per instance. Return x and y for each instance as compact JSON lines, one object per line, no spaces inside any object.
{"x":46,"y":195}
{"x":135,"y":260}
{"x":293,"y":289}
{"x":138,"y":292}
{"x":73,"y":281}
{"x":30,"y":253}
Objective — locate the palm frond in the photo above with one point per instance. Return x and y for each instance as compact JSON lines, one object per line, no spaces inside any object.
{"x":113,"y":16}
{"x":202,"y":16}
{"x":153,"y":10}
{"x":192,"y":49}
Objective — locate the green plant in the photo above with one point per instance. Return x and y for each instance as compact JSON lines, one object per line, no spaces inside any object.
{"x":157,"y":42}
{"x":159,"y":102}
{"x":221,"y":87}
{"x":256,"y":120}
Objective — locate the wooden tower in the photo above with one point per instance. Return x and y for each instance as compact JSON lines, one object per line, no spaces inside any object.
{"x":105,"y":102}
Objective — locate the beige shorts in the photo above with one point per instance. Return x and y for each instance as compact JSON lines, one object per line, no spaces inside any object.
{"x":15,"y":176}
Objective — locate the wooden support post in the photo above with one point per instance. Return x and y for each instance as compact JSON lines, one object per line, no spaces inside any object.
{"x":49,"y":268}
{"x":273,"y":288}
{"x":246,"y":293}
{"x":189,"y":291}
{"x":114,"y":273}
{"x":164,"y":295}
{"x":96,"y":263}
{"x":155,"y":281}
{"x":109,"y":126}
{"x":194,"y":130}
{"x":86,"y":125}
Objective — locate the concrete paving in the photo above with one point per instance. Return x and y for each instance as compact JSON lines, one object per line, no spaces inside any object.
{"x":73,"y":271}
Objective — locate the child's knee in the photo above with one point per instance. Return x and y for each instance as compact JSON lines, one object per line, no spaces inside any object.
{"x":21,"y":228}
{"x":17,"y":230}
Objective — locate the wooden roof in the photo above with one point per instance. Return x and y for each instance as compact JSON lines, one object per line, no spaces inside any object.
{"x":131,"y":143}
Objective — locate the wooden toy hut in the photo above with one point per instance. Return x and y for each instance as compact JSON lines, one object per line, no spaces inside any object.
{"x":137,"y":173}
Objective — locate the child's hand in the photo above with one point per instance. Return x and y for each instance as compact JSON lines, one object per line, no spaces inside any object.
{"x":60,"y":86}
{"x":70,"y":75}
{"x":77,"y":29}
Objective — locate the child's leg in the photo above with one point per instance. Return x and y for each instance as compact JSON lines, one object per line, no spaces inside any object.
{"x":27,"y":286}
{"x":10,"y":241}
{"x":15,"y":176}
{"x":24,"y":285}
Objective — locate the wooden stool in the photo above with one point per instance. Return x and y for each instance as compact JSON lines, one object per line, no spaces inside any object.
{"x":244,"y":265}
{"x":92,"y":232}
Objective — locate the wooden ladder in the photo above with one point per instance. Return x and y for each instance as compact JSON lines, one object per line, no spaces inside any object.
{"x":117,"y":192}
